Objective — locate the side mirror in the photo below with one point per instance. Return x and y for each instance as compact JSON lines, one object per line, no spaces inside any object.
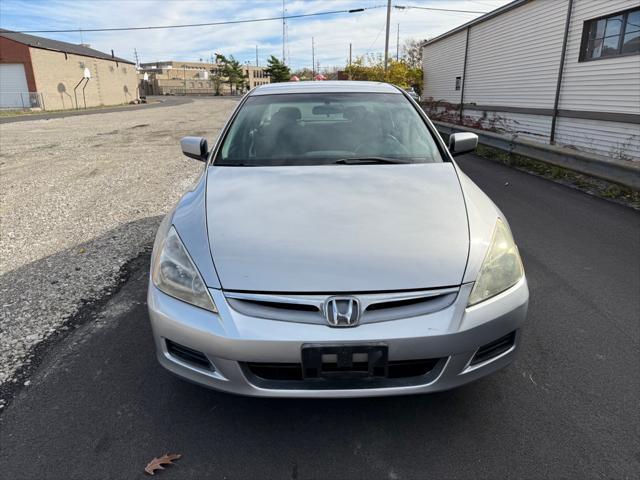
{"x":462,"y":142}
{"x":195,"y":147}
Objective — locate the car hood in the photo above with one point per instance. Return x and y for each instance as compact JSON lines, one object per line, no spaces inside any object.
{"x":337,"y":228}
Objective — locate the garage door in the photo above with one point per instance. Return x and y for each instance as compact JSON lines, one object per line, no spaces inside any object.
{"x":13,"y":86}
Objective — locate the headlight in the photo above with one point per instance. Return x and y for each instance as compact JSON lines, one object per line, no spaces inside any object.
{"x":173,"y":272}
{"x":501,"y":269}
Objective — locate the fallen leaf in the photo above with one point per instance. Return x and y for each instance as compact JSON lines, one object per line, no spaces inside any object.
{"x":157,"y":463}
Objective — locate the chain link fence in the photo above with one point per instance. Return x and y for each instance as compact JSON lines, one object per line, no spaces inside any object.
{"x":21,"y":100}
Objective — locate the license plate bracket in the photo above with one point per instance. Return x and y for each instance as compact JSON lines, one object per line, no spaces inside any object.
{"x":344,"y":361}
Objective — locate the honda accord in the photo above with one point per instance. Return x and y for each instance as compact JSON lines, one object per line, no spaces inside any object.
{"x":332,"y":247}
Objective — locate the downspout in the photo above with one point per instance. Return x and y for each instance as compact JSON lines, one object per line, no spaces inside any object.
{"x":552,"y":135}
{"x":464,"y":74}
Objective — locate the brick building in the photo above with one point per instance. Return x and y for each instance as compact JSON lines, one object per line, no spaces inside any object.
{"x":192,"y":78}
{"x":37,"y":72}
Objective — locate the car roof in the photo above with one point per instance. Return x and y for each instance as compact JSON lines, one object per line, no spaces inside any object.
{"x":323,"y":86}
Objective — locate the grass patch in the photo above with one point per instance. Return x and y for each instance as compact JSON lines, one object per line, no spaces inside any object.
{"x":15,"y":113}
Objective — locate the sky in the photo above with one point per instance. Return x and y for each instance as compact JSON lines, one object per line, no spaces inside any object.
{"x":332,"y":33}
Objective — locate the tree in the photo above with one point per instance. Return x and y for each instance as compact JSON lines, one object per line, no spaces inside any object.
{"x":303,"y":73}
{"x":277,"y":70}
{"x":215,"y":76}
{"x":231,"y":69}
{"x":371,"y":67}
{"x":412,"y":52}
{"x":216,"y":79}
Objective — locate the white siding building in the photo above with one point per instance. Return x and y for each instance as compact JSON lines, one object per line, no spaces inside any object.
{"x":565,"y":72}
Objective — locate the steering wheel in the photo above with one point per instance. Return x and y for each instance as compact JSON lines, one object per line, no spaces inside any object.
{"x":387,"y":145}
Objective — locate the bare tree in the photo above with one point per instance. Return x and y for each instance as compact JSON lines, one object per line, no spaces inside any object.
{"x":412,"y":52}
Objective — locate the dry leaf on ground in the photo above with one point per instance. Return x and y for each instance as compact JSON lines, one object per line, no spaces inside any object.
{"x":157,"y":463}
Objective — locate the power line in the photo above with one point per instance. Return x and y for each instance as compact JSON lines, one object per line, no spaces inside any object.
{"x":208,"y":24}
{"x":402,"y":7}
{"x":483,"y":4}
{"x":377,"y":36}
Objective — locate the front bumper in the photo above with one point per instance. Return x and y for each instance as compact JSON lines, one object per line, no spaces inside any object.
{"x":230,"y":340}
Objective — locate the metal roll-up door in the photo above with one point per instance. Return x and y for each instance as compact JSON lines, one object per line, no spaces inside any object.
{"x":14,"y":92}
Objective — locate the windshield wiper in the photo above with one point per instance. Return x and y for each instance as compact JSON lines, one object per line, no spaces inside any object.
{"x":368,"y":160}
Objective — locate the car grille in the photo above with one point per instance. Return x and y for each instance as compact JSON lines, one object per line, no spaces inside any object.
{"x":397,"y":373}
{"x":310,"y":308}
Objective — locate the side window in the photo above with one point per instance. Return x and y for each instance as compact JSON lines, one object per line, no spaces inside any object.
{"x":611,"y":36}
{"x":458,"y":82}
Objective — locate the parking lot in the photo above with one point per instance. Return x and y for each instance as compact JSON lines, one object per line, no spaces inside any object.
{"x":82,"y":195}
{"x":81,"y":199}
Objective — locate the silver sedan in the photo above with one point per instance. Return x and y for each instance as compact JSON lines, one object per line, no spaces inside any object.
{"x":332,"y":247}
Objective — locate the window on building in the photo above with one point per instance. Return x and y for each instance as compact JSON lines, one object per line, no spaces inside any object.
{"x":458,"y":83}
{"x":617,"y":34}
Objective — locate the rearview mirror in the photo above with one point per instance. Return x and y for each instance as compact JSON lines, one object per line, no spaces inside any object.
{"x":462,"y":142}
{"x":195,"y":147}
{"x":327,"y":109}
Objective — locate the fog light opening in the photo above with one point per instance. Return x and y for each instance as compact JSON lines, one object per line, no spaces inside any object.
{"x":494,"y":349}
{"x":189,"y":356}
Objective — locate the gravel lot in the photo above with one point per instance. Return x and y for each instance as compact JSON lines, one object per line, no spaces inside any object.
{"x":80,"y":197}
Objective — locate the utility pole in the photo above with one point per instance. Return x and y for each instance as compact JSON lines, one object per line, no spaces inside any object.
{"x":256,"y":55}
{"x":135,"y":52}
{"x":313,"y":59}
{"x":386,"y":38}
{"x":349,"y":54}
{"x":398,"y":44}
{"x":283,"y":27}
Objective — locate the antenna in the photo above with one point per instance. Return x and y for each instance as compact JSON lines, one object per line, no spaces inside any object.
{"x":313,"y":59}
{"x":284,"y":23}
{"x":135,"y":52}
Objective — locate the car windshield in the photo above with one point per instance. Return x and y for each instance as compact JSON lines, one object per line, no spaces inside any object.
{"x":327,"y":128}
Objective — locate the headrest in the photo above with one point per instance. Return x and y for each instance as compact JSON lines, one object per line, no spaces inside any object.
{"x":290,"y":114}
{"x":355,"y":113}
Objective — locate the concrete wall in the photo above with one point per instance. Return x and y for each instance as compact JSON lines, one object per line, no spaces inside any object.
{"x":56,"y":75}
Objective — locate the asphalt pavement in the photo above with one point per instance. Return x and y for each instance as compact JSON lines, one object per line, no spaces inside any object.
{"x":99,"y":406}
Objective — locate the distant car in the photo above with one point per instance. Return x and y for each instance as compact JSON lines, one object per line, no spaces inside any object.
{"x":333,"y":248}
{"x":413,"y":94}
